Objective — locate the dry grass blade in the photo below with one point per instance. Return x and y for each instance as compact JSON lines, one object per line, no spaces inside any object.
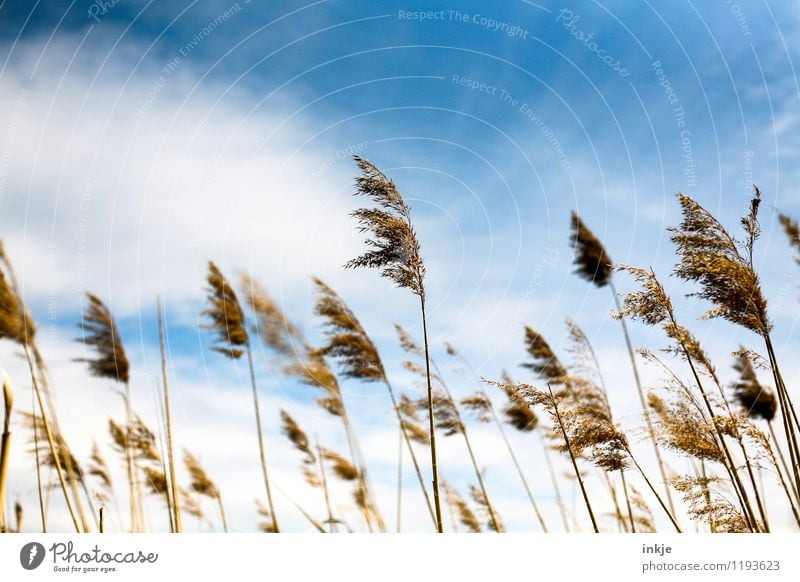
{"x":225,"y":313}
{"x":396,"y":251}
{"x":591,"y":259}
{"x":100,"y":333}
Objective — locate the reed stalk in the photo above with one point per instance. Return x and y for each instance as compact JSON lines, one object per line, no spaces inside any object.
{"x":5,"y":445}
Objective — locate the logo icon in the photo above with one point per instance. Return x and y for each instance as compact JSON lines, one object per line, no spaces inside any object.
{"x":31,"y":555}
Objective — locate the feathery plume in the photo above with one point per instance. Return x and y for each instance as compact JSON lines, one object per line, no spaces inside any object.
{"x":407,"y":342}
{"x":272,"y":324}
{"x":486,"y":509}
{"x":201,"y":483}
{"x":16,"y":324}
{"x":461,"y":508}
{"x":710,"y":256}
{"x":707,"y":503}
{"x":268,"y":524}
{"x":396,"y":250}
{"x":347,"y":341}
{"x":299,"y":438}
{"x":98,"y":468}
{"x":226,"y":316}
{"x":343,"y":468}
{"x":756,"y":400}
{"x":792,"y":231}
{"x":545,"y":362}
{"x":100,"y":333}
{"x":591,"y":259}
{"x":480,"y":405}
{"x":683,"y":429}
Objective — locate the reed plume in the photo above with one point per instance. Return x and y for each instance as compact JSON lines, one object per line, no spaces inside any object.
{"x":227,"y":323}
{"x":203,"y":485}
{"x":99,"y":469}
{"x":493,"y":521}
{"x":594,"y":265}
{"x":100,"y":334}
{"x":792,"y":230}
{"x":461,"y":508}
{"x":396,"y":252}
{"x":272,"y":325}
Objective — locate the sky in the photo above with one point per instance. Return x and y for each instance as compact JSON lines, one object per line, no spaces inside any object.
{"x":142,"y":139}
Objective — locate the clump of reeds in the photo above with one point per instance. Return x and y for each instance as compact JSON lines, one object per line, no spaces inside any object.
{"x":227,"y":322}
{"x":722,"y":266}
{"x":396,"y":252}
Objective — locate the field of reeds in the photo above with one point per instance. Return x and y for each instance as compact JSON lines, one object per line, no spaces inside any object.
{"x":702,"y":454}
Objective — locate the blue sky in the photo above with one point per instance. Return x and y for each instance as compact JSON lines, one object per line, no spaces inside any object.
{"x":144,"y":141}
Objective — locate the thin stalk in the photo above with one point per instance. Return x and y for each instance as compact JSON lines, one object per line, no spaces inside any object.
{"x":222,"y":513}
{"x":176,"y":503}
{"x":627,"y":500}
{"x":262,"y":455}
{"x":352,"y":446}
{"x":787,"y":412}
{"x":434,"y":464}
{"x":707,"y":495}
{"x":411,"y":452}
{"x":324,"y":478}
{"x":5,"y":446}
{"x":297,"y":506}
{"x":54,"y":451}
{"x":101,"y":525}
{"x":612,"y":491}
{"x":640,"y":390}
{"x":556,"y":487}
{"x":478,"y":474}
{"x":653,"y":489}
{"x":42,"y":511}
{"x":782,"y":459}
{"x":135,"y":526}
{"x":399,"y":480}
{"x":527,"y":487}
{"x":730,"y":465}
{"x":572,"y":458}
{"x":72,"y":474}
